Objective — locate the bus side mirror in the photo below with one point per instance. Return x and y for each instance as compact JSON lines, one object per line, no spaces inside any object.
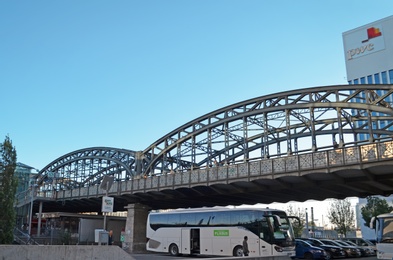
{"x":295,"y":218}
{"x":277,"y":220}
{"x":372,"y":221}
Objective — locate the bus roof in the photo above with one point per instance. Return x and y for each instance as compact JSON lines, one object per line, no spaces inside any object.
{"x":214,"y":209}
{"x":385,"y":215}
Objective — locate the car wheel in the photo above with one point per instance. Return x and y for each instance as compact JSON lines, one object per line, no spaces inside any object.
{"x":173,"y":250}
{"x":238,"y":251}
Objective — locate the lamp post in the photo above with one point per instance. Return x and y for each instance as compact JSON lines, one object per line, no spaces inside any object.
{"x":308,"y":232}
{"x":32,"y":186}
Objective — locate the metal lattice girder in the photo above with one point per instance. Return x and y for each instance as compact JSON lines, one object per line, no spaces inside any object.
{"x":237,"y":132}
{"x":87,"y":167}
{"x":275,"y":125}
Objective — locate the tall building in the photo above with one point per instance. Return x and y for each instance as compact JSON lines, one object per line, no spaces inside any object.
{"x":369,"y":53}
{"x":369,"y":59}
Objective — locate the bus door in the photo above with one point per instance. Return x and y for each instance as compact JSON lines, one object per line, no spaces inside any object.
{"x":190,"y":241}
{"x":185,"y":241}
{"x":265,"y":231}
{"x":254,"y":245}
{"x":195,"y":241}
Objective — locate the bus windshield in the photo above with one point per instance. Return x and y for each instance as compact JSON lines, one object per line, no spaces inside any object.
{"x":387,"y":230}
{"x":279,"y":231}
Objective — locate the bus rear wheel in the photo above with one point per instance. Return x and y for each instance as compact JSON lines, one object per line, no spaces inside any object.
{"x":173,"y":250}
{"x":238,"y":251}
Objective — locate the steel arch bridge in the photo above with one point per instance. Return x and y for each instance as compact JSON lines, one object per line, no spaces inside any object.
{"x":276,"y":125}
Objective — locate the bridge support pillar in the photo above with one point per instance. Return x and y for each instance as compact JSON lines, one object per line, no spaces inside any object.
{"x":135,"y":232}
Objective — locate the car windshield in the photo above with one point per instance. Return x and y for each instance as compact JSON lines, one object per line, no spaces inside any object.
{"x":350,"y":243}
{"x":317,"y":242}
{"x":331,"y":242}
{"x":342,"y":243}
{"x":312,"y":242}
{"x":368,"y":242}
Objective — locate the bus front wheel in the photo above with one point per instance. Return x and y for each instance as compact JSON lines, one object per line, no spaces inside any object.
{"x":238,"y":251}
{"x":173,"y":250}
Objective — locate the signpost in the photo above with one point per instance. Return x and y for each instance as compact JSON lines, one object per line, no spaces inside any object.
{"x":107,"y":202}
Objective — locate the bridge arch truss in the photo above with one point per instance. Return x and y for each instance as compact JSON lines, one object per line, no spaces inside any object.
{"x":276,"y":125}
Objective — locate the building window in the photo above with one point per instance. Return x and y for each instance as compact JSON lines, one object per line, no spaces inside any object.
{"x":376,"y":78}
{"x":362,"y":80}
{"x":350,"y":82}
{"x":384,"y":77}
{"x":391,"y":76}
{"x":369,"y":79}
{"x":356,"y":81}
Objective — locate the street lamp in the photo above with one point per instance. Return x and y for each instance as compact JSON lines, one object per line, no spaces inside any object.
{"x":32,"y":187}
{"x":308,"y":233}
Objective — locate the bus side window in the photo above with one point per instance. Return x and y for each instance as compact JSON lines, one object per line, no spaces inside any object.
{"x":235,"y":218}
{"x":173,"y":220}
{"x":201,"y":219}
{"x":187,"y":219}
{"x":158,"y":221}
{"x":266,"y":229}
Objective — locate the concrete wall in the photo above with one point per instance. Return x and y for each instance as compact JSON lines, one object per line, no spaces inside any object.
{"x":28,"y":252}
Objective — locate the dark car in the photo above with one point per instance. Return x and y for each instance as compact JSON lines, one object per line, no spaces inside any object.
{"x":366,"y":251}
{"x":350,"y":251}
{"x":362,"y":242}
{"x":305,"y":250}
{"x":332,"y":251}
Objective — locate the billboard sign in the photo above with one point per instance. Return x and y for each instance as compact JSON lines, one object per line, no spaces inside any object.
{"x":364,"y":41}
{"x":107,"y":204}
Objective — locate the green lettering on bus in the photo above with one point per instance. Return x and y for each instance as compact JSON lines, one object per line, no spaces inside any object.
{"x":221,"y":233}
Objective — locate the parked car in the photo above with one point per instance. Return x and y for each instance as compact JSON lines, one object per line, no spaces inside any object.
{"x":305,"y":250}
{"x":350,"y":251}
{"x":362,"y":242}
{"x":366,"y":251}
{"x":332,"y":251}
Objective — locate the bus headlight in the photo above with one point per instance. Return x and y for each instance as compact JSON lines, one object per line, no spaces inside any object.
{"x":278,"y":249}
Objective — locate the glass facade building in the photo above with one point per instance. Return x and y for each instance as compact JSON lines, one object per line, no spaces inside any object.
{"x":369,"y":59}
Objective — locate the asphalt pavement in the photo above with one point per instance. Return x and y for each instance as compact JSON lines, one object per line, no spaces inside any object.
{"x":160,"y":256}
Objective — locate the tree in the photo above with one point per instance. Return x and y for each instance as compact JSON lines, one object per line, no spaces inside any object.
{"x":374,"y":207}
{"x":8,"y":183}
{"x":298,"y":226}
{"x":341,"y":215}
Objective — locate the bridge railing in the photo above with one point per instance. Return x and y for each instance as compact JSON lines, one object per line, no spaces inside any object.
{"x":328,"y":159}
{"x":26,"y":197}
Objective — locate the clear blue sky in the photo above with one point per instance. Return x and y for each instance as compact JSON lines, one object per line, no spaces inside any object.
{"x":79,"y":74}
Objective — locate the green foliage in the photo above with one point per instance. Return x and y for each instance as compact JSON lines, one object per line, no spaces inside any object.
{"x":342,"y":216}
{"x":298,"y":225}
{"x":66,"y":238}
{"x":8,"y":184}
{"x":374,"y":207}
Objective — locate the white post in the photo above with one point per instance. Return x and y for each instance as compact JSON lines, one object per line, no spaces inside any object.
{"x":31,"y":209}
{"x":106,"y":194}
{"x":308,"y":232}
{"x":39,"y":220}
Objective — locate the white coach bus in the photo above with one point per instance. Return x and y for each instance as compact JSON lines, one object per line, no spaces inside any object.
{"x":384,"y":235}
{"x":220,"y":231}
